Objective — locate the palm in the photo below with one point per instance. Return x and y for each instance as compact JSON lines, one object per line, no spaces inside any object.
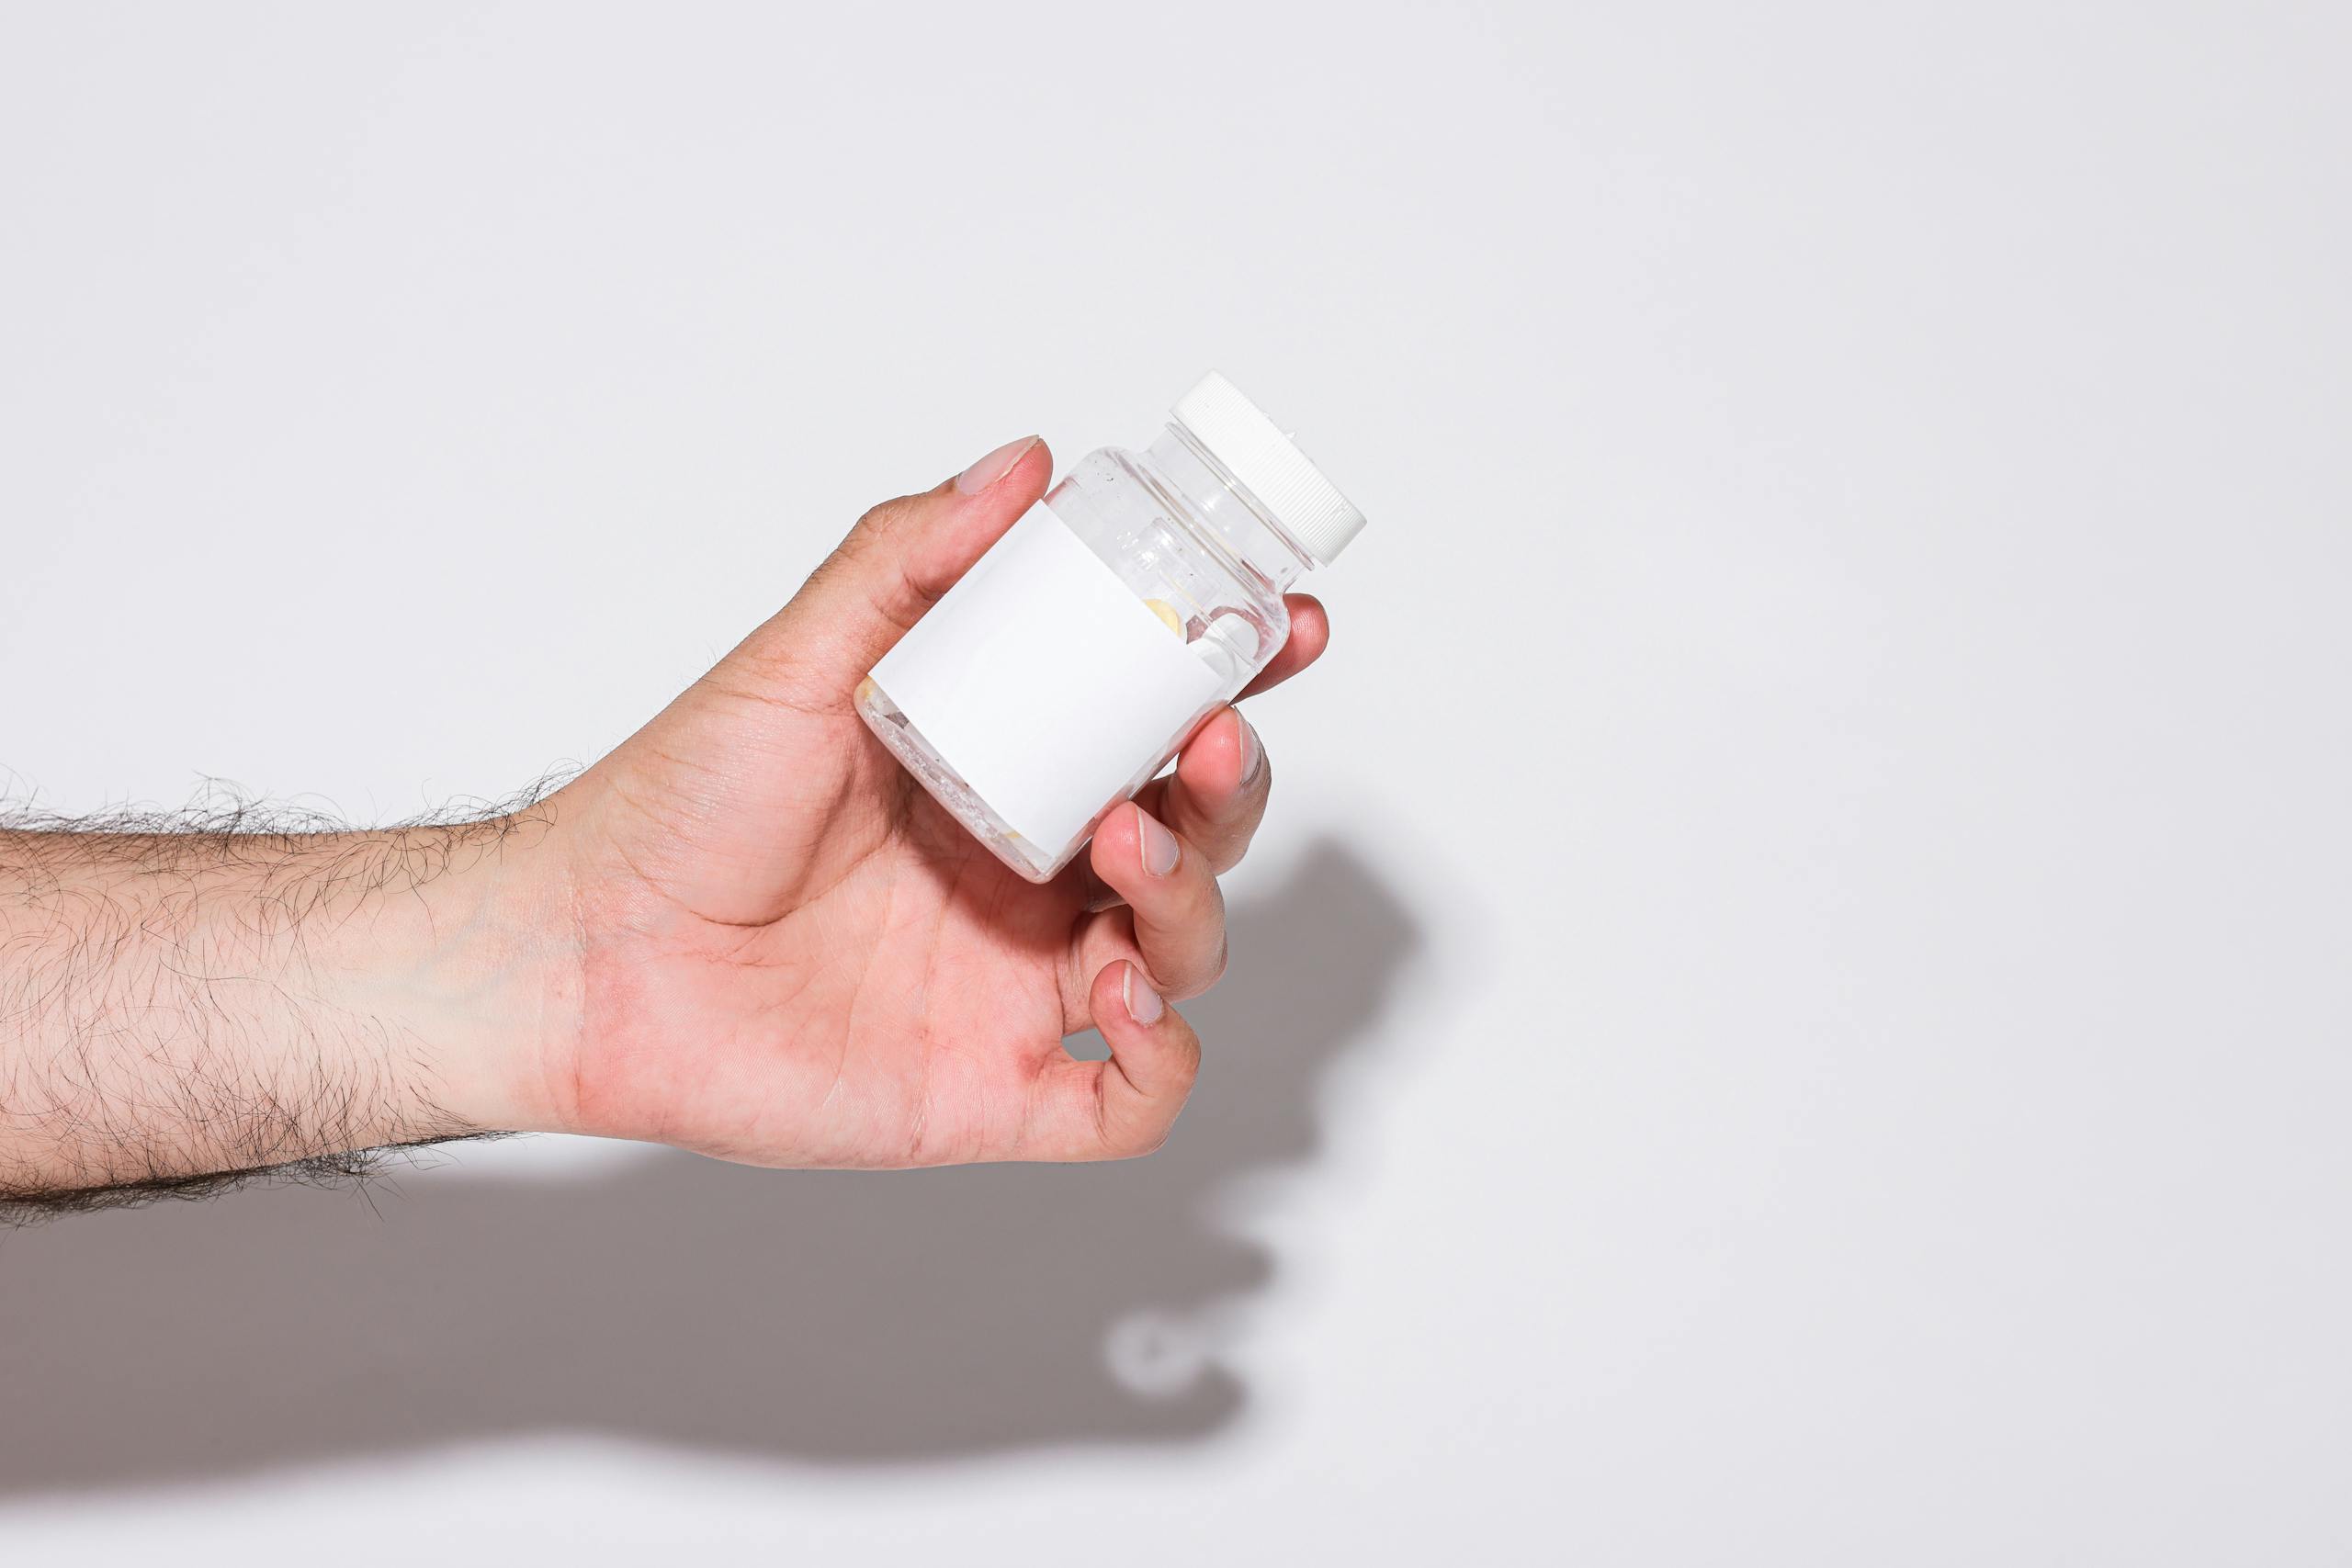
{"x":866,"y":985}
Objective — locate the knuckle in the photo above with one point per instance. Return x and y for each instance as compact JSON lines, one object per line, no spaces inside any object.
{"x":1143,"y":1144}
{"x":1203,"y":976}
{"x":1234,"y":838}
{"x":882,"y":516}
{"x":1186,"y":1071}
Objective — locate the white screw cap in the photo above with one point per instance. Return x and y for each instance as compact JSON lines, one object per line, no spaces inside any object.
{"x":1270,"y":466}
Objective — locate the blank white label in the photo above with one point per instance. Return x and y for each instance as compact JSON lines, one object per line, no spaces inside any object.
{"x":1045,"y":682}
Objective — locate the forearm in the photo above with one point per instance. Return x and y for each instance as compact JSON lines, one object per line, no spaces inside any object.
{"x":177,"y":1004}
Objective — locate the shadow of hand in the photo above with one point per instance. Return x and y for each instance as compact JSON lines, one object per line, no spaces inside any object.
{"x":824,"y":1317}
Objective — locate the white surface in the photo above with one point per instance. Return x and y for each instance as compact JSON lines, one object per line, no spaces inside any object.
{"x":1793,"y":1004}
{"x":1046,"y":682}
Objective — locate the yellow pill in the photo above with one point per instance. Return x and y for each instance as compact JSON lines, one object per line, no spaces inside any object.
{"x":1167,"y":613}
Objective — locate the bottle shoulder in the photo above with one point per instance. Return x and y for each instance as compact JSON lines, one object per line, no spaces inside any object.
{"x":1128,"y":503}
{"x":1108,"y":469}
{"x":1122,"y":510}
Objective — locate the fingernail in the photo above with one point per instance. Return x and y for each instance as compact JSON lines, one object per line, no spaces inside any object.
{"x":1143,"y":1003}
{"x":1253,"y":756}
{"x":993,"y":467}
{"x":1160,"y":849}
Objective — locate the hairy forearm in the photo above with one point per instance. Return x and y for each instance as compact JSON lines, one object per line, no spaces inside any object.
{"x":174,"y":1006}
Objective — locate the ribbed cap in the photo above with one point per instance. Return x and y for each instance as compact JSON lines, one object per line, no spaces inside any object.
{"x":1270,"y":466}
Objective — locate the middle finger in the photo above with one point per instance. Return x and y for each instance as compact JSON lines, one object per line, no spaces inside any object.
{"x":1172,"y":897}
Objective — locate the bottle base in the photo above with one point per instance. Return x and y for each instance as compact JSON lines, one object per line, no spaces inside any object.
{"x":897,"y":732}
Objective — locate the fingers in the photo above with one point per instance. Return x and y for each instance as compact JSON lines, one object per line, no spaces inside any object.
{"x":1123,"y":1106}
{"x":893,"y":566}
{"x":1310,"y":634}
{"x":1171,"y":895}
{"x":1216,"y":796}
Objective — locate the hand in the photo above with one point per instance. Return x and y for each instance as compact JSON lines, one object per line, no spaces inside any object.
{"x":785,"y":953}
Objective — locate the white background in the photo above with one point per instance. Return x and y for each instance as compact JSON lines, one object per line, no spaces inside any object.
{"x":1793,"y":1005}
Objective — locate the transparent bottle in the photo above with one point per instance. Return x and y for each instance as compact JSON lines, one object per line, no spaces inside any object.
{"x":1074,"y":658}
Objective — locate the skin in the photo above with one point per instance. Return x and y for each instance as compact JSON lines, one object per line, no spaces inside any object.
{"x":746,"y":932}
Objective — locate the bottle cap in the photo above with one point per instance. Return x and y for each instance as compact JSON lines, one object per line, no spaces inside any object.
{"x":1270,"y":466}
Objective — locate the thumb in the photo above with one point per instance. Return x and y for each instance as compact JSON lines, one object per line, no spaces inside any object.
{"x":893,"y":566}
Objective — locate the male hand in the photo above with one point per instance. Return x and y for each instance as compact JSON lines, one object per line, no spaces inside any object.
{"x":787,"y":953}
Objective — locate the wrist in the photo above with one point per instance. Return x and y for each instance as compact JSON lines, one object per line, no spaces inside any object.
{"x":466,"y":961}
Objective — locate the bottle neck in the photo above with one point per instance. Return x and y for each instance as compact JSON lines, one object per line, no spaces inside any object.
{"x":1226,"y":513}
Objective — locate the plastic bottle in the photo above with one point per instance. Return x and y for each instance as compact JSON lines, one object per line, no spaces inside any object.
{"x":1074,"y":658}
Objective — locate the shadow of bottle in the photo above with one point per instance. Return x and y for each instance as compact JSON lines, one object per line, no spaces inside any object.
{"x":816,"y":1317}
